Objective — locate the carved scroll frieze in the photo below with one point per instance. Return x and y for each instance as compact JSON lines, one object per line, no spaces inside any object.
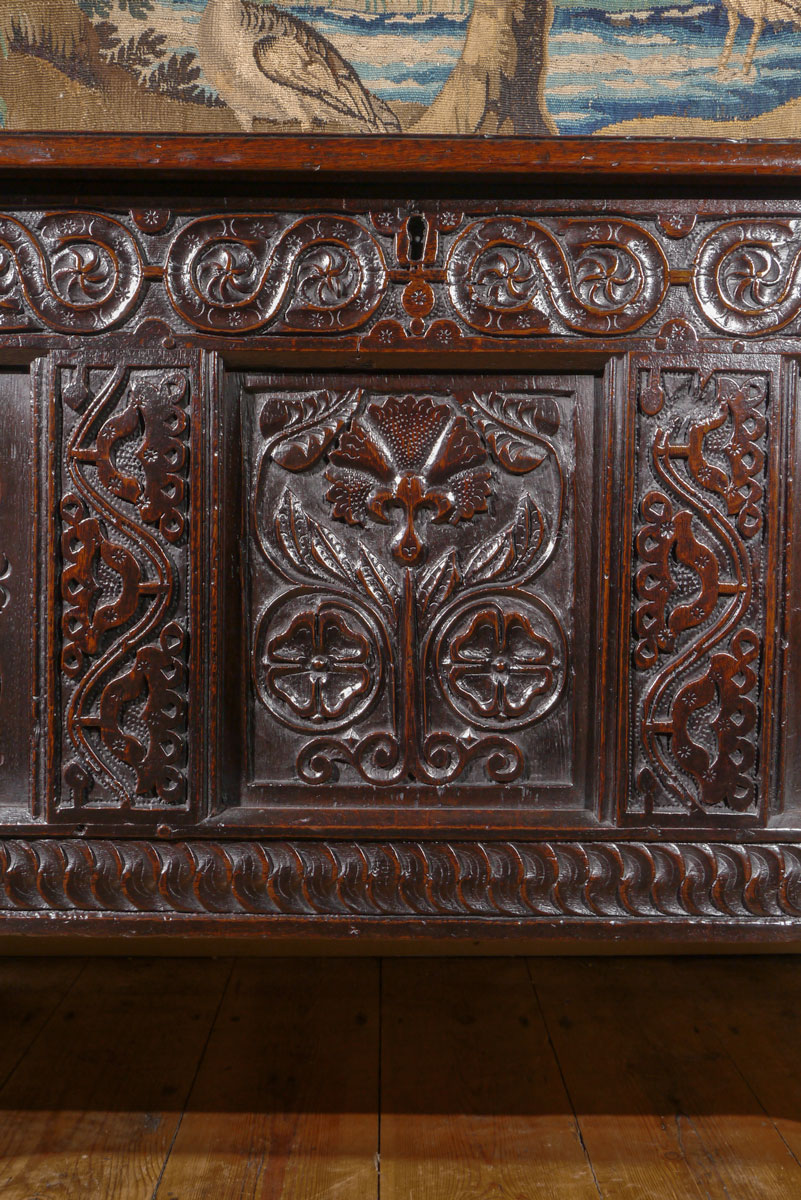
{"x":439,"y":276}
{"x":531,"y":882}
{"x":699,"y":578}
{"x":74,"y":272}
{"x":124,"y":583}
{"x":407,"y":619}
{"x":513,"y":276}
{"x":321,"y":274}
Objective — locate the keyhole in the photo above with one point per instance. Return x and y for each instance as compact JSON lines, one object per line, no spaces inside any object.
{"x":417,"y":232}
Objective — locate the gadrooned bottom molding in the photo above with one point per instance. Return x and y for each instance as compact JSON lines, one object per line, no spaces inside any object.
{"x":406,"y":879}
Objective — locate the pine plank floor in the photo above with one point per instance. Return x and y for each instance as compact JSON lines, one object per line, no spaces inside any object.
{"x":400,"y":1079}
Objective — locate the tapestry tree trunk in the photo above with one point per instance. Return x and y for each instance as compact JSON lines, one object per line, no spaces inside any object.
{"x":497,"y":86}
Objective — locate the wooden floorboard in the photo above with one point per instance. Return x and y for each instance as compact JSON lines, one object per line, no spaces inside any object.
{"x":410,"y":1079}
{"x":663,"y":1110}
{"x":472,"y":1104}
{"x":91,"y":1109}
{"x":285,"y":1105}
{"x":30,"y":993}
{"x":752,"y":1010}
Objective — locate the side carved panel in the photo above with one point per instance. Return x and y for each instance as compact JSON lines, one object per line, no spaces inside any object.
{"x":415,"y":587}
{"x":122,"y":599}
{"x":700,"y":571}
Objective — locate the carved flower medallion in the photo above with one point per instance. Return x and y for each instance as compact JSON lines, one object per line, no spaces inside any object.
{"x":503,"y":666}
{"x":317,"y":665}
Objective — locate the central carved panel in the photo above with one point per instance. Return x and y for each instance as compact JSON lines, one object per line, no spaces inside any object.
{"x":419,"y":576}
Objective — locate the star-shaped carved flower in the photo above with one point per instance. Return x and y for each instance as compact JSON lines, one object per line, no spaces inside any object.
{"x":410,"y":453}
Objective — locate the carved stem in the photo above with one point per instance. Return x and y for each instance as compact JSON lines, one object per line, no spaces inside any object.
{"x":408,"y":679}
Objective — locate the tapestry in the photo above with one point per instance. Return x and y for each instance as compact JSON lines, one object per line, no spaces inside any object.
{"x":669,"y":68}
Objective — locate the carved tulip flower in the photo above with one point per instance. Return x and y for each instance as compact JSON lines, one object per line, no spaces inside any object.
{"x":318,"y":666}
{"x":501,"y":666}
{"x":408,"y":453}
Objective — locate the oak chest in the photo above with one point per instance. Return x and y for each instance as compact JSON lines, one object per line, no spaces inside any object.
{"x":400,"y":538}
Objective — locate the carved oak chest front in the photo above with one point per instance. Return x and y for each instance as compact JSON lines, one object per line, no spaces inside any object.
{"x":385,"y":566}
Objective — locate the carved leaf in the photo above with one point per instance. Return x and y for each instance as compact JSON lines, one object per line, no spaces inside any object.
{"x":329,"y":552}
{"x":306,"y":446}
{"x":493,"y":558}
{"x":439,"y":582}
{"x":544,"y":412}
{"x":310,"y":547}
{"x":512,"y":452}
{"x":529,"y":529}
{"x":512,"y":428}
{"x":377,"y":581}
{"x":511,"y":552}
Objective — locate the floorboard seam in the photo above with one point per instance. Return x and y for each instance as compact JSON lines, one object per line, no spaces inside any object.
{"x":576,"y":1121}
{"x":44,"y":1024}
{"x":193,"y":1080}
{"x":723,"y":1050}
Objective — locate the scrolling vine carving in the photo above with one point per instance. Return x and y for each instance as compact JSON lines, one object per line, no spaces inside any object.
{"x":78,"y":272}
{"x":317,"y":274}
{"x":699,"y":561}
{"x":510,"y":275}
{"x":747,"y":276}
{"x":328,"y":274}
{"x":445,"y":646}
{"x":124,"y":618}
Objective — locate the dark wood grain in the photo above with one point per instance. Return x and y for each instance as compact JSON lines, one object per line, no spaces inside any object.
{"x":96,"y":1106}
{"x":456,"y":1121}
{"x":674,"y":1078}
{"x":340,"y":157}
{"x":285,"y":1104}
{"x":645,"y":1074}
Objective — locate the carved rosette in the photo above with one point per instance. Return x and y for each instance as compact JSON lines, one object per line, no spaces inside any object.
{"x":375,"y":625}
{"x":699,"y":562}
{"x":747,"y":276}
{"x":75,"y":272}
{"x":124,"y":632}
